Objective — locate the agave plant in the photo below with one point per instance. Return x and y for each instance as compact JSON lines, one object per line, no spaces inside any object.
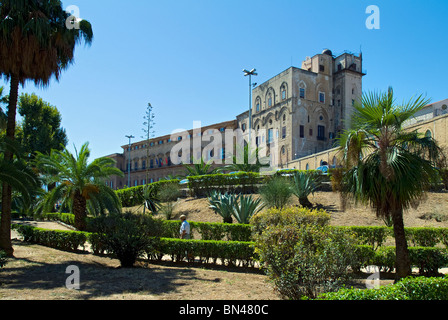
{"x":223,"y":204}
{"x":305,"y":183}
{"x":246,"y":207}
{"x":150,"y":198}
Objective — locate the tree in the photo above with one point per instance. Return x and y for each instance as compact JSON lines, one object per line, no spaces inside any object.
{"x":3,"y":118}
{"x":17,"y":173}
{"x":200,"y":168}
{"x":41,"y":126}
{"x":246,"y":160}
{"x":35,"y":44}
{"x":389,"y":168}
{"x":79,"y":184}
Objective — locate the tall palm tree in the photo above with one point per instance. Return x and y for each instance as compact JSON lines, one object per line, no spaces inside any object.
{"x":79,"y":184}
{"x":36,"y":45}
{"x":389,"y":167}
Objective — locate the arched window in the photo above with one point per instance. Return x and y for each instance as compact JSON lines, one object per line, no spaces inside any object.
{"x":283,"y":91}
{"x":428,"y":134}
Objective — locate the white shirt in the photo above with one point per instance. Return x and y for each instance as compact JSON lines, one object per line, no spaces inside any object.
{"x":185,"y":226}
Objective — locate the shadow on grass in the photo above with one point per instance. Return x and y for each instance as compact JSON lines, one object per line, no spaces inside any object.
{"x":97,"y":279}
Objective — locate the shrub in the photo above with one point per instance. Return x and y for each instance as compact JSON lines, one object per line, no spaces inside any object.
{"x":305,"y":259}
{"x":133,"y":196}
{"x":288,"y":216}
{"x":59,"y":239}
{"x":372,"y":235}
{"x":230,"y":253}
{"x":126,"y":235}
{"x":420,"y":288}
{"x":246,"y":207}
{"x":233,"y":182}
{"x":277,"y":192}
{"x":423,"y":236}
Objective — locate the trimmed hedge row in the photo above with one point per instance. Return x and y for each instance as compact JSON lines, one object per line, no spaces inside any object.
{"x":133,"y":196}
{"x":420,"y":288}
{"x":374,"y":236}
{"x":231,"y":253}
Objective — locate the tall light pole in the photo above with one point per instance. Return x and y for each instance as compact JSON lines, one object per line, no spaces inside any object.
{"x":129,"y":162}
{"x":250,"y":74}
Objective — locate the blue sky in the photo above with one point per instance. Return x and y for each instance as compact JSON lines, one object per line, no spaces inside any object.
{"x":186,"y":58}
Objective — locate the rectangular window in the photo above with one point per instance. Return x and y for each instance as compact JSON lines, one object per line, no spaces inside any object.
{"x":302,"y":93}
{"x":258,"y":107}
{"x":321,"y":97}
{"x":311,"y":132}
{"x":302,"y":132}
{"x":144,"y":164}
{"x":321,"y":68}
{"x":283,"y":132}
{"x":320,"y":133}
{"x":136,"y":166}
{"x":151,"y":163}
{"x":283,"y":94}
{"x":270,"y":102}
{"x":270,"y":135}
{"x":135,"y":183}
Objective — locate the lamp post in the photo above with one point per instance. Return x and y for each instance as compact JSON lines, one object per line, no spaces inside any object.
{"x":250,"y":74}
{"x":129,"y":162}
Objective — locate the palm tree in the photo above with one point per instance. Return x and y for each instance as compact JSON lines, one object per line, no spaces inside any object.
{"x":35,"y":44}
{"x":388,"y":167}
{"x":17,"y":173}
{"x":246,"y":160}
{"x":200,"y":168}
{"x":79,"y":184}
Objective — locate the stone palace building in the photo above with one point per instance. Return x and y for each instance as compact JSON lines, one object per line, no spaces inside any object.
{"x":300,"y":111}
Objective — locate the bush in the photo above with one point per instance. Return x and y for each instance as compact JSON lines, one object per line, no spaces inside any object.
{"x":58,"y":239}
{"x":277,"y":192}
{"x":371,"y":235}
{"x":288,"y":216}
{"x":304,"y":259}
{"x":133,"y":196}
{"x":126,"y":235}
{"x":244,"y":182}
{"x":230,"y":253}
{"x":420,"y":288}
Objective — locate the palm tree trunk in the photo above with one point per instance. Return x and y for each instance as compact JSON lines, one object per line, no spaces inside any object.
{"x":402,"y":262}
{"x":304,"y":202}
{"x":5,"y":225}
{"x":79,"y":210}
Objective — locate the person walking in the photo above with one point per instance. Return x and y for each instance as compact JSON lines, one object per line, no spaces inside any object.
{"x":184,"y":228}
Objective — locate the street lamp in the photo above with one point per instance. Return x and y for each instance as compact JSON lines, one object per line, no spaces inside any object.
{"x":129,"y":162}
{"x":250,"y":74}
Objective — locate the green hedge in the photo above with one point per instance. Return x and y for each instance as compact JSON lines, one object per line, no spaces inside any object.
{"x":229,"y":253}
{"x":242,"y":181}
{"x":428,"y":260}
{"x":374,"y":236}
{"x":58,"y":239}
{"x":210,"y":230}
{"x":133,"y":196}
{"x":421,"y":288}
